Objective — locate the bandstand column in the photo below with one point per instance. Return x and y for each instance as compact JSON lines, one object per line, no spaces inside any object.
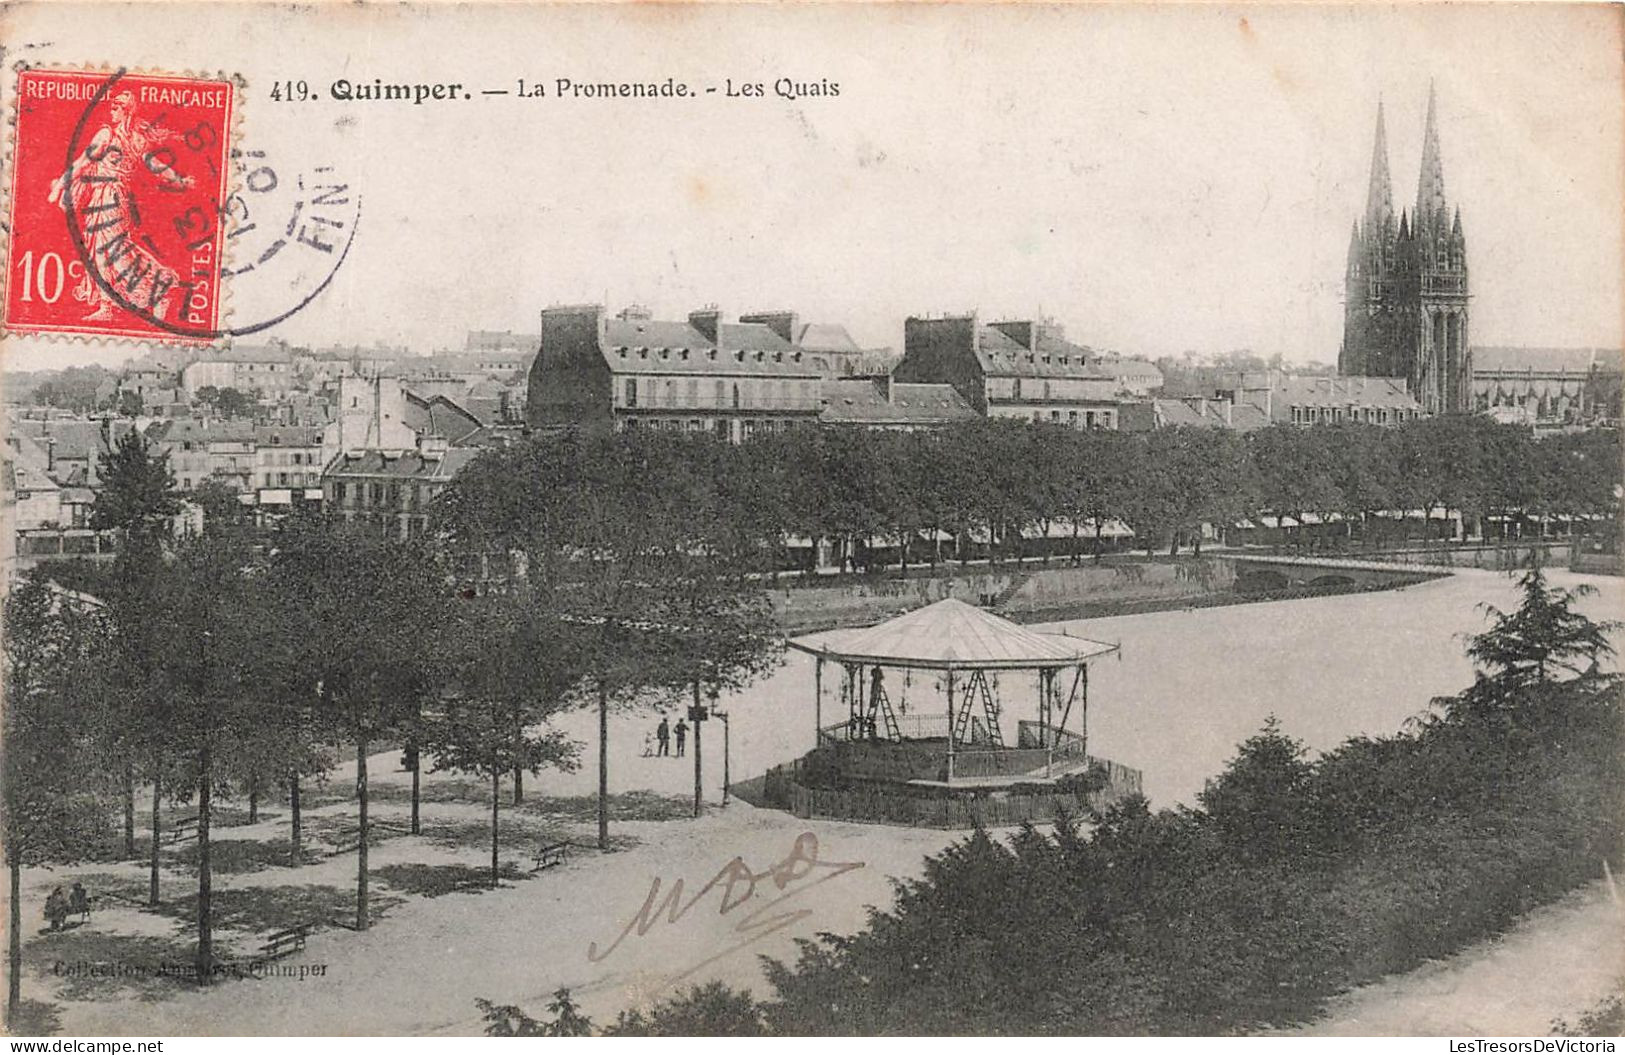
{"x":1083,"y":714}
{"x":818,"y":701}
{"x":1046,"y":707}
{"x":950,"y":725}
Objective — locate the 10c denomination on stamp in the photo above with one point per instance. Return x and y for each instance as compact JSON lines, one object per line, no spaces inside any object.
{"x":118,"y":185}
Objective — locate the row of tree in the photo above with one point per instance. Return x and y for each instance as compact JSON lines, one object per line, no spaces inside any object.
{"x":245,"y":662}
{"x":991,"y":485}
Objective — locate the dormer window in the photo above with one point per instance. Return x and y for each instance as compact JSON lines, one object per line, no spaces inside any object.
{"x":778,"y":357}
{"x":739,"y":356}
{"x":797,"y":357}
{"x":759,"y":356}
{"x":684,"y":354}
{"x":713,"y":355}
{"x":643,"y":353}
{"x":622,"y":351}
{"x":665,"y":353}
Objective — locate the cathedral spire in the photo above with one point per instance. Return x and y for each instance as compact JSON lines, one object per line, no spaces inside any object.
{"x":1379,"y":199}
{"x":1430,"y":202}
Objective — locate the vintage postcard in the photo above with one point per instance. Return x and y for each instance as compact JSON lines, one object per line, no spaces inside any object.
{"x":822,"y":519}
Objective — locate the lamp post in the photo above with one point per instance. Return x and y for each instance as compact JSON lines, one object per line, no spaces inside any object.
{"x":696,"y":716}
{"x":726,"y":746}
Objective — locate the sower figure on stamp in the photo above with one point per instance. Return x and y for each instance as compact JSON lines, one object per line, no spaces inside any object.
{"x":98,"y":188}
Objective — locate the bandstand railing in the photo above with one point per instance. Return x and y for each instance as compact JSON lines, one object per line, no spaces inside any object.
{"x":909,"y":727}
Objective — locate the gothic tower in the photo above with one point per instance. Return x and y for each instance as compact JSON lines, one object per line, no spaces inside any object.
{"x":1405,"y":312}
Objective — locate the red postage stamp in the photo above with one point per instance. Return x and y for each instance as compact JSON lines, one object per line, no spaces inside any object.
{"x":118,"y":185}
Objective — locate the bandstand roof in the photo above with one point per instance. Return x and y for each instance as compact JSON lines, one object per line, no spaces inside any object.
{"x":953,"y":635}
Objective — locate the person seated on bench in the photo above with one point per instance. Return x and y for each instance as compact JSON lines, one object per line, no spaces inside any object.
{"x":56,"y":909}
{"x":79,"y":902}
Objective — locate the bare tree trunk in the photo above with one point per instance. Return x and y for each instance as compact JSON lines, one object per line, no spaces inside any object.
{"x":518,"y":743}
{"x":417,"y":781}
{"x":129,"y":809}
{"x":14,"y":961}
{"x":157,"y":831}
{"x":361,"y":920}
{"x":297,"y":833}
{"x":205,"y":877}
{"x":603,"y":765}
{"x":496,"y":801}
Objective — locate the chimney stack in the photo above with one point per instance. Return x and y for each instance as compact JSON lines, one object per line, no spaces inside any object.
{"x":705,"y":320}
{"x":783,"y":323}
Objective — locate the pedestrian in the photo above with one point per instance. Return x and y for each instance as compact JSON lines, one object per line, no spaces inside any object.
{"x":663,"y":735}
{"x":682,"y":735}
{"x":648,"y":745}
{"x":56,"y":908}
{"x":79,"y":902}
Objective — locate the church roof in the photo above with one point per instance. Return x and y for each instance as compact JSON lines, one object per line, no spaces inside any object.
{"x":1489,"y":359}
{"x":953,"y":635}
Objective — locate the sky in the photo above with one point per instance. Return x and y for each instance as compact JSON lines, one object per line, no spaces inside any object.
{"x":1157,"y":179}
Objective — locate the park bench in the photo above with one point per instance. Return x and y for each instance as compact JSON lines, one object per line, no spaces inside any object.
{"x":548,"y":855}
{"x":284,"y":942}
{"x":181,"y":830}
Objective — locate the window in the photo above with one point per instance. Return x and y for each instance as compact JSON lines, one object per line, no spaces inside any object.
{"x":1046,"y":389}
{"x":631,"y":391}
{"x":722,"y":389}
{"x":282,"y":479}
{"x":736,"y":395}
{"x":1015,"y":388}
{"x":338,"y":491}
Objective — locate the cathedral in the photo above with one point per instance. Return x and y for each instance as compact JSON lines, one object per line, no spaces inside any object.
{"x":1406,"y":312}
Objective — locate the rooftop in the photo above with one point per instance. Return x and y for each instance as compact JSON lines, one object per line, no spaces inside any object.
{"x":1500,"y":358}
{"x":953,"y":635}
{"x":405,"y":465}
{"x":862,"y":401}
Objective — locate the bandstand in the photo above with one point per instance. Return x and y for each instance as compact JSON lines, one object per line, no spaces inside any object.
{"x":920,"y":706}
